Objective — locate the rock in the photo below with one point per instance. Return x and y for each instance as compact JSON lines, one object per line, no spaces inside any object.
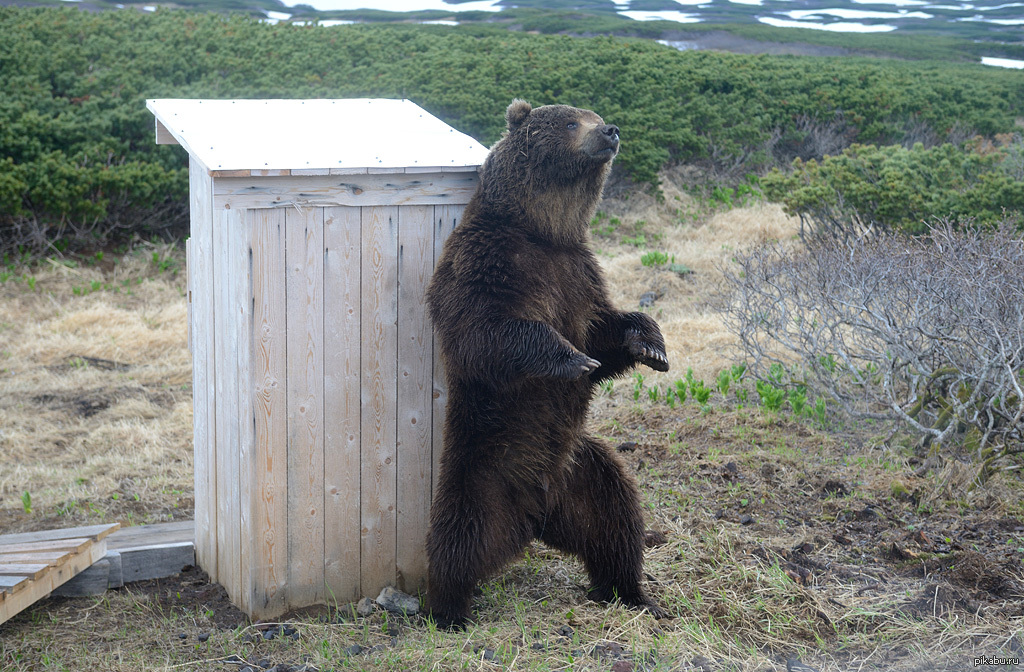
{"x":622,"y":666}
{"x":365,"y":607}
{"x":794,"y":665}
{"x":746,"y":519}
{"x":269,"y":635}
{"x":289,"y":631}
{"x":488,"y":654}
{"x":565,"y":631}
{"x":647,"y":299}
{"x":203,"y":636}
{"x":539,"y":646}
{"x":182,"y":635}
{"x":398,"y":602}
{"x":353,"y":650}
{"x":626,"y":447}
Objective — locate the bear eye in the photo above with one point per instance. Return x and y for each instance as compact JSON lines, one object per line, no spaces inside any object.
{"x":571,"y":125}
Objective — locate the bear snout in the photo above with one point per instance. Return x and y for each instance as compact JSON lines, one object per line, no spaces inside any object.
{"x":611,"y":131}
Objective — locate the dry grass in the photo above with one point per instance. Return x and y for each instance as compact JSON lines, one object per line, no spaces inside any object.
{"x":810,"y":576}
{"x":95,"y":396}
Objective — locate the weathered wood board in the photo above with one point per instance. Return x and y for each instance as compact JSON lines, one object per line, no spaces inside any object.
{"x":33,"y":564}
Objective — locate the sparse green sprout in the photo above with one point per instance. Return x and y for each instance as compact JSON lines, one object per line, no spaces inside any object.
{"x":724,"y":381}
{"x":771,"y":396}
{"x":638,"y":241}
{"x":798,"y":400}
{"x":738,"y":370}
{"x":606,"y":386}
{"x":819,"y":412}
{"x":654,"y":259}
{"x":670,"y":396}
{"x":681,"y":390}
{"x":31,"y":283}
{"x":637,"y":385}
{"x":700,"y":392}
{"x":26,"y":501}
{"x":652,"y":392}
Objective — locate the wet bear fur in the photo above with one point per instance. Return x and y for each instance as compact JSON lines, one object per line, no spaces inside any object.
{"x":527,"y":332}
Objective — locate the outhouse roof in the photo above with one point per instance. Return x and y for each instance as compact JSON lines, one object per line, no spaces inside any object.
{"x":312,"y":135}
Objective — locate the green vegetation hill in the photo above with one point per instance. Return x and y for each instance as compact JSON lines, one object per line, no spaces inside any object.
{"x":76,"y":142}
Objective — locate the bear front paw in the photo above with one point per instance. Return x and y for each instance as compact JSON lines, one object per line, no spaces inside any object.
{"x":646,"y":352}
{"x":576,"y":366}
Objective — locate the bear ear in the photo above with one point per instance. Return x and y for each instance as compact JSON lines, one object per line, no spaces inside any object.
{"x":517,"y":113}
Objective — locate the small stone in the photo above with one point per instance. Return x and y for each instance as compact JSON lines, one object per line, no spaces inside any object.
{"x":365,"y":607}
{"x":565,"y":631}
{"x":294,"y":636}
{"x":203,"y":636}
{"x":353,"y":650}
{"x":488,"y":654}
{"x":622,"y":666}
{"x":746,"y":519}
{"x":539,"y":646}
{"x":647,"y":299}
{"x":269,"y":634}
{"x":627,"y":447}
{"x":398,"y":602}
{"x":289,"y":631}
{"x":263,"y":663}
{"x":182,"y":635}
{"x":719,"y":514}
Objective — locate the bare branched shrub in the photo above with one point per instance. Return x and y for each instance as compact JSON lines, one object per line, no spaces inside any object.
{"x":926,"y":332}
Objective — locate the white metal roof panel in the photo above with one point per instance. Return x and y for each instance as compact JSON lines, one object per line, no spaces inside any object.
{"x":316,"y":134}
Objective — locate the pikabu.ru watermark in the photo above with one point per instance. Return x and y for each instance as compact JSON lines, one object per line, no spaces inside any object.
{"x":995,"y":662}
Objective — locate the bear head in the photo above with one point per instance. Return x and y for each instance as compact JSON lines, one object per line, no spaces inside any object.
{"x":559,"y":144}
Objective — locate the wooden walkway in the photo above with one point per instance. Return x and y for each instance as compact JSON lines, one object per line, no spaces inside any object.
{"x":33,"y":564}
{"x":88,"y":560}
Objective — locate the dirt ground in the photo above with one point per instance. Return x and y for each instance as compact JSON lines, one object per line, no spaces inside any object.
{"x":787,"y":544}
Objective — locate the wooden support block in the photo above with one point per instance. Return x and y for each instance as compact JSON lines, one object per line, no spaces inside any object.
{"x":156,"y":562}
{"x":95,"y":580}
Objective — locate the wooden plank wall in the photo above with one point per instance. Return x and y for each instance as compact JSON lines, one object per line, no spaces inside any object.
{"x":201,"y":336}
{"x":319,"y":409}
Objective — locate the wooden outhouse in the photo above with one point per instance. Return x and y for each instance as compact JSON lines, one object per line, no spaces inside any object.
{"x":318,"y":399}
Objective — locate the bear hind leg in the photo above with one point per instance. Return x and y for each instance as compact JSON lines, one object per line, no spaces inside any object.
{"x":596,"y":516}
{"x":470,"y":537}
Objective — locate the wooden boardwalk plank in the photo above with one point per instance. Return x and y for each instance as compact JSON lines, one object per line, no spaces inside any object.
{"x":32,"y":570}
{"x":21,"y":589}
{"x":71,"y":545}
{"x":97,"y":531}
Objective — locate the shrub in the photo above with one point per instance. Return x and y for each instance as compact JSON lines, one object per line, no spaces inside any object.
{"x":927,"y":331}
{"x":868,"y":188}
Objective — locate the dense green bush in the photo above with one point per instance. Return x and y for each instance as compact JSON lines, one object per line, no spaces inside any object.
{"x":76,"y":142}
{"x":868,"y":187}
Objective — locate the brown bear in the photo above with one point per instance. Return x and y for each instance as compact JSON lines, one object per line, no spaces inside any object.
{"x":526,"y":332}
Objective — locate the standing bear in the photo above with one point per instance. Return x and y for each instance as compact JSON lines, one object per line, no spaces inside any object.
{"x":527,"y":332}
